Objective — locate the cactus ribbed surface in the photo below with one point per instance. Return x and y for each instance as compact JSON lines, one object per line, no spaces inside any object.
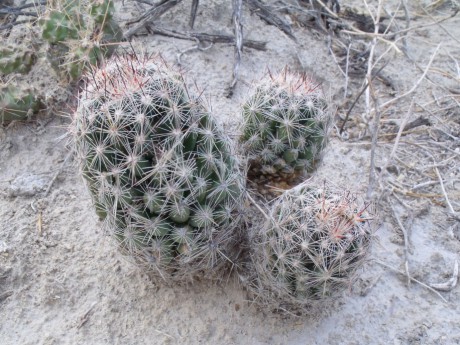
{"x":161,"y":173}
{"x":317,"y":237}
{"x":285,"y":125}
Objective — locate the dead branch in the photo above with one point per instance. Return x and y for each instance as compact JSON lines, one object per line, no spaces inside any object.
{"x":204,"y":37}
{"x":374,"y":75}
{"x":193,"y":12}
{"x":151,"y":15}
{"x":238,"y":30}
{"x":270,"y":18}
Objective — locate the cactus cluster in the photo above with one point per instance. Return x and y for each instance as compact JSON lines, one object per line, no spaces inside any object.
{"x":17,"y":103}
{"x":285,"y":125}
{"x":316,"y":237}
{"x":161,"y":173}
{"x":170,"y":190}
{"x":16,"y":59}
{"x":79,"y":34}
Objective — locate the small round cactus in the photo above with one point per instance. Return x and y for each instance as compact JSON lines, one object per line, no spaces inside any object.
{"x":315,"y":238}
{"x":16,"y":59}
{"x":79,"y":35}
{"x":162,"y":175}
{"x":285,"y":125}
{"x":17,"y":104}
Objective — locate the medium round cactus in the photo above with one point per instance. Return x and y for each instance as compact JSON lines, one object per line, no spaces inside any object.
{"x":315,"y":238}
{"x":80,"y":34}
{"x":162,"y":175}
{"x":285,"y":125}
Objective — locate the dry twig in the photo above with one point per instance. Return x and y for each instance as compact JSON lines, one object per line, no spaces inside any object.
{"x":451,"y":209}
{"x":238,"y":30}
{"x":204,"y":37}
{"x":269,"y":17}
{"x":151,"y":15}
{"x":406,"y":244}
{"x":85,"y":316}
{"x":412,"y":279}
{"x":451,"y":283}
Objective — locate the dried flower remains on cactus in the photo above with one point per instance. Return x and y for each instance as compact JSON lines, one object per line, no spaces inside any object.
{"x":162,"y":175}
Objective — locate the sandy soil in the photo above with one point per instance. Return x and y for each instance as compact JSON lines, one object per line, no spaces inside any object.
{"x":62,"y":281}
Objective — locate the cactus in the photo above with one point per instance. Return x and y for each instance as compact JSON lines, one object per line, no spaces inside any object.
{"x":161,"y":174}
{"x":16,"y":59}
{"x":285,"y":125}
{"x":80,"y":35}
{"x":315,"y":238}
{"x":17,"y":103}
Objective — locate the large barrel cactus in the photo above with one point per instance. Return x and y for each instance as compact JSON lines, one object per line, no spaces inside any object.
{"x":285,"y":126}
{"x":162,"y":175}
{"x":309,"y":249}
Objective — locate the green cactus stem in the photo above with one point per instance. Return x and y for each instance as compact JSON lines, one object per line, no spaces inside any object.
{"x":286,"y":121}
{"x":308,"y":250}
{"x":17,"y":104}
{"x":163,"y":177}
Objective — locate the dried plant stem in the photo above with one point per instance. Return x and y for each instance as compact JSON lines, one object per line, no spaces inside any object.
{"x":193,"y":11}
{"x":411,"y":278}
{"x":416,"y":85}
{"x":204,"y":37}
{"x":359,"y":95}
{"x":398,"y":137}
{"x":375,"y":134}
{"x":444,"y":192}
{"x":267,"y":217}
{"x":151,"y":15}
{"x":267,"y":15}
{"x":451,"y":283}
{"x":406,"y":244}
{"x":238,"y":30}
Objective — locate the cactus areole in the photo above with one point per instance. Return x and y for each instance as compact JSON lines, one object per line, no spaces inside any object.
{"x":161,"y":174}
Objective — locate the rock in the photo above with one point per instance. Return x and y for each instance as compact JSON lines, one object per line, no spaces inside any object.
{"x":27,"y":184}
